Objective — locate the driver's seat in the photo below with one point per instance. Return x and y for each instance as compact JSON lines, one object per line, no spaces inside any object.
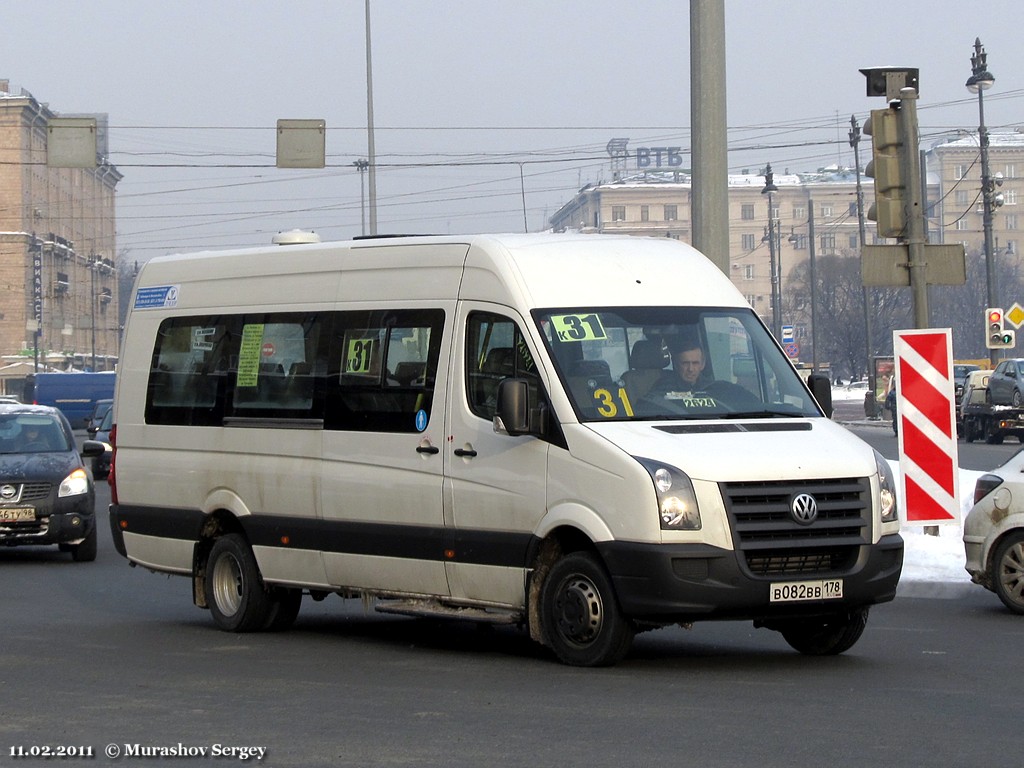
{"x":647,"y":361}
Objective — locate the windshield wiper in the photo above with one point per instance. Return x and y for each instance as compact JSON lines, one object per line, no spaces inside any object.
{"x":762,"y":414}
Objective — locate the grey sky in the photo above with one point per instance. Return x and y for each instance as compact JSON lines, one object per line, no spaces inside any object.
{"x":545,"y":84}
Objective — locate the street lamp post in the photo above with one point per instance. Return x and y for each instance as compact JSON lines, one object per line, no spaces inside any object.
{"x":361,"y":166}
{"x":769,"y":189}
{"x":979,"y":82}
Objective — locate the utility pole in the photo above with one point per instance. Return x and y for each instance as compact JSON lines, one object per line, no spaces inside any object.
{"x":814,"y":285}
{"x":869,"y":347}
{"x":911,"y":169}
{"x":372,"y":154}
{"x":707,"y":118}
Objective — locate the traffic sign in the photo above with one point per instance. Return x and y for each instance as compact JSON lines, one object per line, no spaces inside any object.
{"x":927,"y":426}
{"x":792,"y":349}
{"x":1014,"y":315}
{"x":787,"y":334}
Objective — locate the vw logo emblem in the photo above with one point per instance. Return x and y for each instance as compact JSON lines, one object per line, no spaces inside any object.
{"x":804,"y":508}
{"x":8,"y":492}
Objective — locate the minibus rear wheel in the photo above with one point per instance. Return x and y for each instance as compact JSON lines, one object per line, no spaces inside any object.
{"x":580,"y":617}
{"x":234,"y":590}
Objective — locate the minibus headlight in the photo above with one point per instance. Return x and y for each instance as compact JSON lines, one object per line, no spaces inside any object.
{"x":74,"y":484}
{"x":886,"y":490}
{"x":677,"y":503}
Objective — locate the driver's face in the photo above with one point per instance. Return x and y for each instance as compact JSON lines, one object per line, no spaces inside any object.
{"x":690,"y":364}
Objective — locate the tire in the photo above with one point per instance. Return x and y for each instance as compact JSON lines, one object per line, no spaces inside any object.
{"x":826,"y":636}
{"x":994,"y":437}
{"x":284,"y":609}
{"x":1016,"y":399}
{"x":86,"y":551}
{"x":968,"y":431}
{"x":233,"y":587}
{"x":1007,"y":571}
{"x":580,"y":616}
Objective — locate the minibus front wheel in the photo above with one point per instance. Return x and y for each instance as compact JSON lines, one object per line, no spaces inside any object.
{"x":580,"y":617}
{"x":234,"y":590}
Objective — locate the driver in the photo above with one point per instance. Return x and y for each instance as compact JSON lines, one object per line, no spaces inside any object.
{"x":32,"y":438}
{"x":688,"y":361}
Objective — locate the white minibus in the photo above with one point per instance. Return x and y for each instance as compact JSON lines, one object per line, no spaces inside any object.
{"x":585,"y":435}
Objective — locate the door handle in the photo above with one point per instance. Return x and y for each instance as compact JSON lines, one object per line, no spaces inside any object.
{"x":468,"y":452}
{"x":431,"y":449}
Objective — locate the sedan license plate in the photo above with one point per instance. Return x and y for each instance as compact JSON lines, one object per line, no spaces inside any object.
{"x":799,"y":591}
{"x":17,"y":515}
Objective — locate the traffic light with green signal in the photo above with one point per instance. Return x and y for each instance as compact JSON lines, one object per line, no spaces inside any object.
{"x":997,"y":335}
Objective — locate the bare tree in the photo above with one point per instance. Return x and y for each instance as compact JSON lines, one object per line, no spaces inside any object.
{"x":839,"y":311}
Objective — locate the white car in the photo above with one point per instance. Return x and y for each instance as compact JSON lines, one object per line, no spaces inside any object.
{"x":994,"y":533}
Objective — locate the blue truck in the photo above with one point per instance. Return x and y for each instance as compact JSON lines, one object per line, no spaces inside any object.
{"x":75,"y":394}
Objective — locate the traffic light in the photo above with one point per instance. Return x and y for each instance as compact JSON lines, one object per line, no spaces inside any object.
{"x":997,"y":336}
{"x":885,"y":127}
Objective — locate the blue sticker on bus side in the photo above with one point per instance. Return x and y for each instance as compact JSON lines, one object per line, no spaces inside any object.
{"x":157,"y":297}
{"x":421,"y":420}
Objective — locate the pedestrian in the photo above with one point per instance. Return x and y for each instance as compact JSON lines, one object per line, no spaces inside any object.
{"x":890,"y":403}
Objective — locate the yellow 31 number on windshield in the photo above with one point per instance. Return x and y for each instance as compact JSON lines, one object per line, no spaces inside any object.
{"x":608,"y":404}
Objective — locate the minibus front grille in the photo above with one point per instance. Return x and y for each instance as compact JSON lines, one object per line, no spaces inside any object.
{"x":775,"y":543}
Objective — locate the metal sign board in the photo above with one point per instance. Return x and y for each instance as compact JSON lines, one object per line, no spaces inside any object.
{"x":301,"y":143}
{"x":888,"y":265}
{"x":71,"y":142}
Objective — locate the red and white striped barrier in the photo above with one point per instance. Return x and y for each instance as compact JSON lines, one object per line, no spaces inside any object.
{"x":927,"y":426}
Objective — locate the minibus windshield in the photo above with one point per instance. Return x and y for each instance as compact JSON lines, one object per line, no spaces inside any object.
{"x":623,"y":363}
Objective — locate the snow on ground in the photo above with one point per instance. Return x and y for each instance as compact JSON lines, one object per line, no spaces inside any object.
{"x":938,"y":558}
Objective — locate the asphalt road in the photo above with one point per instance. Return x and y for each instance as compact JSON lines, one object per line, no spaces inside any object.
{"x":98,"y":654}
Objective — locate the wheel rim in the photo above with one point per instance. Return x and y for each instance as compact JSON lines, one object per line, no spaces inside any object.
{"x":1011,"y":573}
{"x":579,"y":611}
{"x":227,"y":584}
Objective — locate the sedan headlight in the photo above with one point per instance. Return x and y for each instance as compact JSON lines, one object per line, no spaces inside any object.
{"x":74,"y":484}
{"x":886,"y":490}
{"x":677,"y":503}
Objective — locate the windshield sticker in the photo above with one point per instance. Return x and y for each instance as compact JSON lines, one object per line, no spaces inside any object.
{"x":578,"y":327}
{"x":608,"y":404}
{"x":361,"y":354}
{"x":202,"y":339}
{"x":249,"y":355}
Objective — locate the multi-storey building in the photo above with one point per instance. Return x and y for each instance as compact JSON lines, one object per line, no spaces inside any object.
{"x":58,"y":303}
{"x":957,"y":165}
{"x":658,"y":204}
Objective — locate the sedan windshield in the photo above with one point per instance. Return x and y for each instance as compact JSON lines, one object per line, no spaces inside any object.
{"x":661,"y":363}
{"x":31,"y":433}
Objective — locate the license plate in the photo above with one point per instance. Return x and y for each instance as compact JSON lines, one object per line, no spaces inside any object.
{"x":799,"y":591}
{"x":17,"y":515}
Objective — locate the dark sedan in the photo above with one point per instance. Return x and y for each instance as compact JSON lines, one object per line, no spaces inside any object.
{"x":46,"y":494}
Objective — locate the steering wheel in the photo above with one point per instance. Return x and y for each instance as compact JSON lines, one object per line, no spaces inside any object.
{"x":733,"y":395}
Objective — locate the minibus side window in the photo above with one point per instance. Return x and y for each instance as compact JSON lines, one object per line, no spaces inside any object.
{"x":189,"y":370}
{"x":496,"y":349}
{"x":382,"y":370}
{"x":277,"y":366}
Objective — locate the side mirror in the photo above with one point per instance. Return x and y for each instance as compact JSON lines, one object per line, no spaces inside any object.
{"x":92,"y":448}
{"x":513,"y":412}
{"x":821,"y":388}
